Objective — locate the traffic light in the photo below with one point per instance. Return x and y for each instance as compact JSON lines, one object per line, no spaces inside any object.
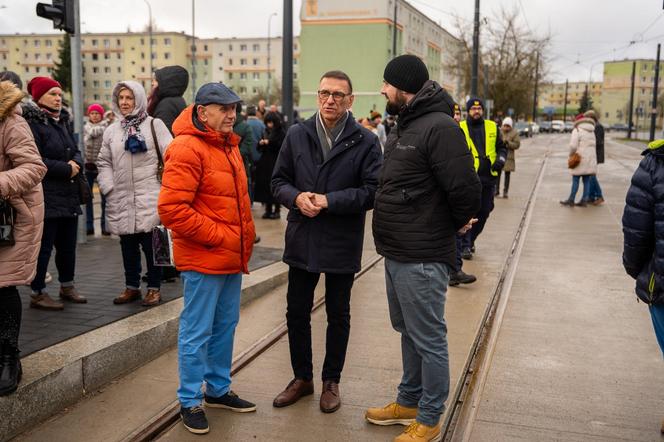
{"x":61,"y":12}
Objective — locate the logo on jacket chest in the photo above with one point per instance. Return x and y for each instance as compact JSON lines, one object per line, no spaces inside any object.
{"x":400,"y":146}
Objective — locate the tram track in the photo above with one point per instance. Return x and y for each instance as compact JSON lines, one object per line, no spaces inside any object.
{"x":459,"y":420}
{"x":170,"y":415}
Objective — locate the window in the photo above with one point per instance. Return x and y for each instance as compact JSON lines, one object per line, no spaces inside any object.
{"x":167,"y":41}
{"x":154,"y":41}
{"x":48,"y":43}
{"x":295,"y":44}
{"x":118,"y":42}
{"x":254,"y":90}
{"x":95,"y":83}
{"x":37,"y":69}
{"x":243,"y":75}
{"x":118,"y":56}
{"x":205,"y":48}
{"x":154,"y":55}
{"x":85,"y":83}
{"x":221,"y":54}
{"x":37,"y":57}
{"x":107,"y":70}
{"x":50,"y":70}
{"x":230,"y":47}
{"x":294,"y":75}
{"x":119,"y":70}
{"x":230,"y":75}
{"x":107,"y":56}
{"x":94,"y":42}
{"x":25,"y":55}
{"x":255,"y":61}
{"x":95,"y":56}
{"x":4,"y":57}
{"x":205,"y":62}
{"x":142,"y":68}
{"x":243,"y":90}
{"x":107,"y":83}
{"x":243,"y":47}
{"x":230,"y":62}
{"x":167,"y":55}
{"x":36,"y":43}
{"x":107,"y":43}
{"x":142,"y":55}
{"x":295,"y":61}
{"x":142,"y":41}
{"x":243,"y":61}
{"x":95,"y":70}
{"x":256,"y":76}
{"x":48,"y":56}
{"x":96,"y":97}
{"x":256,"y":47}
{"x":108,"y":97}
{"x":27,"y":69}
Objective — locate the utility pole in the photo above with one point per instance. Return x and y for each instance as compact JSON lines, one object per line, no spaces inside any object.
{"x":287,"y":68}
{"x":565,"y":104}
{"x":631,"y":103}
{"x":535,"y":93}
{"x":193,"y":50}
{"x":476,"y":51}
{"x":486,"y":91}
{"x":394,"y":31}
{"x":150,"y":34}
{"x":653,"y":112}
{"x":77,"y":102}
{"x":269,"y":55}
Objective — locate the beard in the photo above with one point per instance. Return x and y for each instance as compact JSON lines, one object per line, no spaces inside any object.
{"x":395,"y":107}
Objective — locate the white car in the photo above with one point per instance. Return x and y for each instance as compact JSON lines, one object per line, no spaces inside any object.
{"x":558,"y":126}
{"x":534,"y":128}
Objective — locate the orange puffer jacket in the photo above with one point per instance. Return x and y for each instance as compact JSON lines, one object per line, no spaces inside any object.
{"x":204,"y":200}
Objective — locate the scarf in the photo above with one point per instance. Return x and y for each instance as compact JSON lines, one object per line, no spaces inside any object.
{"x":134,"y":139}
{"x":51,"y":113}
{"x":327,"y":137}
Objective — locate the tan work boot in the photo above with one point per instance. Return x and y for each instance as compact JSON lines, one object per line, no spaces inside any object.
{"x":42,"y":301}
{"x":129,"y":295}
{"x":417,"y":432}
{"x":71,"y":294}
{"x":392,"y":414}
{"x":153,"y":297}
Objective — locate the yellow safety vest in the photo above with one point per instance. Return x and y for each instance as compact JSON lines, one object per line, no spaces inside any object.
{"x":490,"y":134}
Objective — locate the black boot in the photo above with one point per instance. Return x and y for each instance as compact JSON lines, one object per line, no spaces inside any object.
{"x":10,"y":370}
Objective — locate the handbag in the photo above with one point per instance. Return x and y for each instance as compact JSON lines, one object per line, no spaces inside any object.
{"x":7,"y":220}
{"x":84,"y":191}
{"x":574,"y":160}
{"x":160,"y":159}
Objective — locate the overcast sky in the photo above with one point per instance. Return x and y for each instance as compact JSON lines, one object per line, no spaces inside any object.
{"x":585,"y":32}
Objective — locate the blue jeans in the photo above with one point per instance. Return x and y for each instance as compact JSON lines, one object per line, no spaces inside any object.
{"x":416,"y":294}
{"x":89,"y":208}
{"x":575,"y":187}
{"x":657,"y":315}
{"x":205,"y":339}
{"x":595,"y":189}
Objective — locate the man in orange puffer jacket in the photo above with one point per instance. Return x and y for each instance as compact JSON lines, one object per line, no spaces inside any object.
{"x":204,"y":200}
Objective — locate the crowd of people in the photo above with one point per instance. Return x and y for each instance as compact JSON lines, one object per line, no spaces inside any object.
{"x":429,"y":176}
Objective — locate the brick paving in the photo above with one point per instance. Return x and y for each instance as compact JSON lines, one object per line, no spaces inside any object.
{"x":100,"y":277}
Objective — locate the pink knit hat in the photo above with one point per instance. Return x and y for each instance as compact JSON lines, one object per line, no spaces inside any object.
{"x":96,"y":107}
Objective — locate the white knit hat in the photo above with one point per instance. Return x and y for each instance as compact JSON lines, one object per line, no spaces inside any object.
{"x":508,"y":122}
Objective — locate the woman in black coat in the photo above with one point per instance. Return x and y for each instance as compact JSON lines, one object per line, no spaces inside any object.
{"x":166,"y":102}
{"x":52,"y":130}
{"x":269,"y":146}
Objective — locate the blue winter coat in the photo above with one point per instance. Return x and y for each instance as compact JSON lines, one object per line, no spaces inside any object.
{"x":332,"y":241}
{"x":643,"y":226}
{"x":55,"y":141}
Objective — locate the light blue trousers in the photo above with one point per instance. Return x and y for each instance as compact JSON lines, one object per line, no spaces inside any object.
{"x":205,"y":339}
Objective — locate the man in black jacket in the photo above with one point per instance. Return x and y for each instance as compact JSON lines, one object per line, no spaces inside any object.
{"x":326,"y":175}
{"x":427,"y":192}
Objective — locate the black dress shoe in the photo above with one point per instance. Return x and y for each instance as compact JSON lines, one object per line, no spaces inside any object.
{"x":275,"y":215}
{"x":266,"y":215}
{"x":10,"y":372}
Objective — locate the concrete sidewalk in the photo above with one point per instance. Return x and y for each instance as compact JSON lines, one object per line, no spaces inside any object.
{"x":100,"y":277}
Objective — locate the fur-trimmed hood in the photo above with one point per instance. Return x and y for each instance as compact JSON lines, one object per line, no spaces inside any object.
{"x":10,"y":97}
{"x":34,"y":114}
{"x":585,"y":124}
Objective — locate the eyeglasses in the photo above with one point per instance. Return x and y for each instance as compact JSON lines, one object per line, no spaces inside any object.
{"x":336,"y":96}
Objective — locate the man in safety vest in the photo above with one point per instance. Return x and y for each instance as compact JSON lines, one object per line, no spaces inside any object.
{"x":490,"y":154}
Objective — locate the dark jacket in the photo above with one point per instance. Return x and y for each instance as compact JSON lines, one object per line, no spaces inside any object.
{"x":173,"y":82}
{"x":247,"y":141}
{"x":599,"y":142}
{"x":428,"y":188}
{"x":643,"y":221}
{"x":478,"y":135}
{"x":265,"y":166}
{"x":331,"y":241}
{"x":55,"y":141}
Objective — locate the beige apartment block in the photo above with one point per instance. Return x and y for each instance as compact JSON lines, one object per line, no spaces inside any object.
{"x":553,"y":95}
{"x":107,"y":58}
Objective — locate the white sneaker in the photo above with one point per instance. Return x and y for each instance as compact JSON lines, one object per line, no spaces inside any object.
{"x":48,"y":278}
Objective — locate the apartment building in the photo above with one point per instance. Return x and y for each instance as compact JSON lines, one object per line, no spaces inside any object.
{"x":552,"y":95}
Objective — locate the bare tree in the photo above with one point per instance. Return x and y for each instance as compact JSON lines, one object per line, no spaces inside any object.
{"x":510,"y":50}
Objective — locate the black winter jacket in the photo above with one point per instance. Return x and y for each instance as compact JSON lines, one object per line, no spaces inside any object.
{"x":599,"y":142}
{"x":332,"y":241}
{"x":55,"y":141}
{"x":173,"y":82}
{"x":428,"y":188}
{"x":643,"y":226}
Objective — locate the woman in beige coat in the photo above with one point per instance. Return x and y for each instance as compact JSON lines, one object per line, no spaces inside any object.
{"x":128,"y":179}
{"x":21,"y":172}
{"x":582,"y":143}
{"x":512,"y":142}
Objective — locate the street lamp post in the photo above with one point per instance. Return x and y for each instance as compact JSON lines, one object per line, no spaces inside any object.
{"x":269,"y":75}
{"x":193,"y":50}
{"x":150,"y":34}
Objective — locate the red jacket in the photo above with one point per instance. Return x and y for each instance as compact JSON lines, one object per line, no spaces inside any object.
{"x":204,"y":200}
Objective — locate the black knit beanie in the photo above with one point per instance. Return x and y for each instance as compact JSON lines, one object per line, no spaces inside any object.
{"x":407,"y":73}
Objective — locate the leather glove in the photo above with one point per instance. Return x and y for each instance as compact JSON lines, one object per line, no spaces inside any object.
{"x":498,"y":164}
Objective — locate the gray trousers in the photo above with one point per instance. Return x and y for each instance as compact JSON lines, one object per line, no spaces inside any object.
{"x":416,"y":294}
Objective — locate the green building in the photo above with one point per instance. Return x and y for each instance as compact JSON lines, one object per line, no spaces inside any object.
{"x":355,"y":36}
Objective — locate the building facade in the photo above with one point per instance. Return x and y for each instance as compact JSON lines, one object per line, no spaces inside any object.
{"x":106,"y":58}
{"x":356,"y":37}
{"x":616,"y":91}
{"x":552,"y":97}
{"x":248,"y":65}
